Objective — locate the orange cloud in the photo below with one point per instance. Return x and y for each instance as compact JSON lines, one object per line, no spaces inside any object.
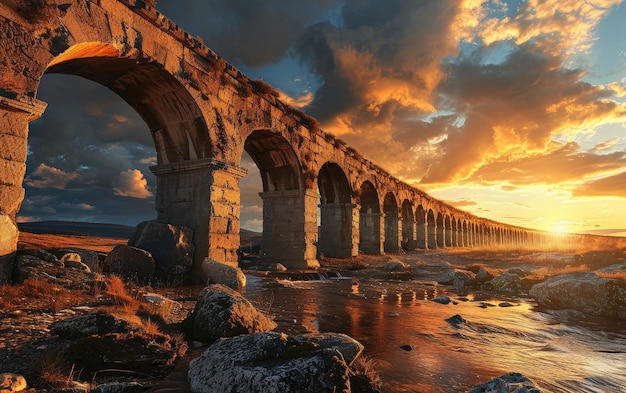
{"x":132,"y":183}
{"x":611,"y":186}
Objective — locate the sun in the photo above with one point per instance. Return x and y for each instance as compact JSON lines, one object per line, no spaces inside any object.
{"x":560,"y":227}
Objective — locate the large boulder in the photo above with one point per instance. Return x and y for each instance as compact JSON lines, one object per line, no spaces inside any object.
{"x":214,"y":272}
{"x":171,"y":247}
{"x":269,"y":362}
{"x":12,"y":383}
{"x":222,"y":312}
{"x":130,"y":264}
{"x":508,"y":383}
{"x":583,"y":291}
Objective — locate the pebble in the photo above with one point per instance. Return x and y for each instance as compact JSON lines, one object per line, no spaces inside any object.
{"x":407,"y":347}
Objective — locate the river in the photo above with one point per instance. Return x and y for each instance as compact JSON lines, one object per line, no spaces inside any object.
{"x":488,"y":336}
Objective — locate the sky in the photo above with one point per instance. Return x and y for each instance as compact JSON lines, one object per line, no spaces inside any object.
{"x":512,"y":110}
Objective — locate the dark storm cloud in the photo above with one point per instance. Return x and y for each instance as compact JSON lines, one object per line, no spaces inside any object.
{"x":249,"y":32}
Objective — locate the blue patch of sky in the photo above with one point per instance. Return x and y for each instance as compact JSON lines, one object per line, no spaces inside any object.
{"x":608,"y":54}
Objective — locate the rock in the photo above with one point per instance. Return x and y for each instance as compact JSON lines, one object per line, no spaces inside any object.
{"x":42,"y":255}
{"x":482,"y":276}
{"x":88,"y":257}
{"x":457,"y":278}
{"x":508,"y":383}
{"x":456,"y":320}
{"x":219,"y":273}
{"x":222,"y":312}
{"x":99,"y":323}
{"x":349,"y":347}
{"x":620,"y":267}
{"x":141,"y":353}
{"x":171,"y":247}
{"x":406,"y":347}
{"x":276,"y":267}
{"x":130,"y":264}
{"x":505,"y":282}
{"x":583,"y":291}
{"x":8,"y":243}
{"x":268,"y":362}
{"x":159,"y":305}
{"x":442,"y":300}
{"x":73,"y":260}
{"x":31,"y":267}
{"x":119,"y":387}
{"x":396,"y":266}
{"x":12,"y":383}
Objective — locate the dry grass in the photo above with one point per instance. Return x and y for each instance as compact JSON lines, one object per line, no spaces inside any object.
{"x":48,"y":297}
{"x":621,"y":275}
{"x":548,"y":271}
{"x":365,"y":375}
{"x":54,"y":370}
{"x":37,"y":241}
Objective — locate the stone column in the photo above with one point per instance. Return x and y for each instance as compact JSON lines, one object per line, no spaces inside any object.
{"x":16,"y":111}
{"x":204,"y":196}
{"x":290,"y":227}
{"x":448,"y":236}
{"x":371,"y":227}
{"x":432,"y":236}
{"x":337,"y":232}
{"x":411,"y":227}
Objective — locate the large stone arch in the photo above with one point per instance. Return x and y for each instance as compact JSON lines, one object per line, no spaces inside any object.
{"x":338,"y":237}
{"x":408,"y":226}
{"x":392,"y":223}
{"x":289,"y":214}
{"x":370,"y":220}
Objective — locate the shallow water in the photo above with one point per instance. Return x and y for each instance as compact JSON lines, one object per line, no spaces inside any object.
{"x":560,"y":351}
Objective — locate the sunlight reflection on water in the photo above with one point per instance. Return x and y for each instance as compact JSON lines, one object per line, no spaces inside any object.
{"x":562,"y":353}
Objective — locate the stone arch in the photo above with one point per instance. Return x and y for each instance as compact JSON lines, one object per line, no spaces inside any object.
{"x":431,"y":229}
{"x":408,"y":226}
{"x":455,"y":232}
{"x":464,"y":242}
{"x":289,"y":212}
{"x":392,"y":222}
{"x":369,"y":220}
{"x":179,"y":132}
{"x":176,"y":121}
{"x":336,"y":235}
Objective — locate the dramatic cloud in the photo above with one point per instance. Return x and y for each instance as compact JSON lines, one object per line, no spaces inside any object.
{"x":614,"y":186}
{"x":131,"y":183}
{"x":50,"y":177}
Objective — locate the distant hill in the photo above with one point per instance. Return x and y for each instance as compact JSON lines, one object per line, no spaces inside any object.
{"x":115,"y":231}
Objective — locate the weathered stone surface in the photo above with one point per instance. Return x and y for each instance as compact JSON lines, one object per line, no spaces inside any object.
{"x":99,"y":323}
{"x":583,"y":291}
{"x":150,"y":355}
{"x":349,"y":347}
{"x":8,"y":244}
{"x":508,"y":383}
{"x":482,"y":276}
{"x":505,"y":282}
{"x":31,"y":267}
{"x":457,"y":278}
{"x":222,"y":312}
{"x":130,"y":263}
{"x":12,"y":383}
{"x":214,"y":272}
{"x":171,"y":247}
{"x":396,"y":266}
{"x":268,"y":362}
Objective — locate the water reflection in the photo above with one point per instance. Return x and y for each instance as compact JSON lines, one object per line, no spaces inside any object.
{"x":562,"y":353}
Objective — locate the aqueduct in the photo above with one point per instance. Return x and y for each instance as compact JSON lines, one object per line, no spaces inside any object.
{"x":203,"y":114}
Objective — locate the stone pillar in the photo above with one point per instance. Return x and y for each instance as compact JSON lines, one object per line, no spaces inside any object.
{"x":410,"y":226}
{"x":432,"y":236}
{"x":338,"y":234}
{"x":421,"y":235}
{"x":16,"y":111}
{"x":290,"y":228}
{"x":370,"y":225}
{"x":204,"y":196}
{"x":393,"y":228}
{"x":448,"y":236}
{"x":441,"y":240}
